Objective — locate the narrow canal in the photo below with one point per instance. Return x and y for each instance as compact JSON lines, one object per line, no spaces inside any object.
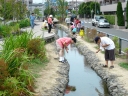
{"x":83,"y":81}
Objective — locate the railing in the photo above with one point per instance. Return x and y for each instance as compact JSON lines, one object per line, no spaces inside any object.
{"x":120,"y":39}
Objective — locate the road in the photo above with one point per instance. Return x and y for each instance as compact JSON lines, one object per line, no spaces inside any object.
{"x":112,"y":31}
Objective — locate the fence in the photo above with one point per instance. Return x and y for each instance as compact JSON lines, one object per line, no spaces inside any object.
{"x":108,"y":35}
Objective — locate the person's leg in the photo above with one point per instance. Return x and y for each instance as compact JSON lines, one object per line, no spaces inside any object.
{"x":106,"y":62}
{"x":112,"y":63}
{"x":61,"y":55}
{"x":112,"y":57}
{"x":60,"y":51}
{"x":31,"y":24}
{"x":106,"y":58}
{"x":48,"y":28}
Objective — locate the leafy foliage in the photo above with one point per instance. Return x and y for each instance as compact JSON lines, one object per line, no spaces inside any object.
{"x":85,"y":8}
{"x":12,"y":9}
{"x":120,"y":18}
{"x":127,"y":13}
{"x":110,"y":18}
{"x":24,"y":23}
{"x":48,"y":11}
{"x":61,"y":8}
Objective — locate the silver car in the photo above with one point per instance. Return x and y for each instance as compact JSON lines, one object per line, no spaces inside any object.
{"x":103,"y":23}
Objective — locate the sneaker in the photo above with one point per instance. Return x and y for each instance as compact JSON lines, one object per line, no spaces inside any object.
{"x":62,"y":61}
{"x":105,"y":66}
{"x":111,"y":67}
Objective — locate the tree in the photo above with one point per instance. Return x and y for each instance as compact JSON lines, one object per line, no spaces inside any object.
{"x":127,"y":13}
{"x":85,"y":8}
{"x":12,"y":8}
{"x":49,"y":11}
{"x":61,"y":8}
{"x":36,"y":11}
{"x":120,"y":18}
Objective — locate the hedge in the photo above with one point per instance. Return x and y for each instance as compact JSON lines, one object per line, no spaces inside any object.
{"x":110,"y":18}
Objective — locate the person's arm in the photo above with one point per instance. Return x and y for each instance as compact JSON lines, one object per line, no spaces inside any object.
{"x":105,"y":45}
{"x":98,"y":50}
{"x":65,"y":47}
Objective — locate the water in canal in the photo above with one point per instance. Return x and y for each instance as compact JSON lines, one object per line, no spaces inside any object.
{"x":83,"y":81}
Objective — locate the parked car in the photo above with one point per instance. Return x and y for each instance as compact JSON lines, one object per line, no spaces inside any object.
{"x":96,"y":19}
{"x":103,"y":23}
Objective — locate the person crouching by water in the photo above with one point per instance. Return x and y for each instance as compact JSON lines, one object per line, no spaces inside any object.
{"x":74,"y":30}
{"x":108,"y":45}
{"x":62,"y":43}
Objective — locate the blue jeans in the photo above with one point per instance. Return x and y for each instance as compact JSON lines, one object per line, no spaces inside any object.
{"x":32,"y":23}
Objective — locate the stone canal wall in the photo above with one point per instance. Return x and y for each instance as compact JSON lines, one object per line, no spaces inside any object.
{"x":114,"y":86}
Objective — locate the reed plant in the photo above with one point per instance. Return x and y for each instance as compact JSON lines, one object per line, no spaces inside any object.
{"x":116,"y":42}
{"x":36,"y":47}
{"x":91,"y":34}
{"x":18,"y":54}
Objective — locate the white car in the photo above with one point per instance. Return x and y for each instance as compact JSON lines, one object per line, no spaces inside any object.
{"x":96,"y":20}
{"x":103,"y":23}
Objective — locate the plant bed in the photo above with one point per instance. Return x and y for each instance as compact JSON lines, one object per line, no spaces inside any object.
{"x":18,"y":56}
{"x":124,"y":65}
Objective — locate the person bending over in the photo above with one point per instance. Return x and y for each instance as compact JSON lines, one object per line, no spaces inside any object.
{"x":62,"y":44}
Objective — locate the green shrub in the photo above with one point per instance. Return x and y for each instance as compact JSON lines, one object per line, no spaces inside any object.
{"x":37,"y":51}
{"x":5,"y":30}
{"x":124,"y":65}
{"x":24,"y":23}
{"x":120,"y":17}
{"x":110,"y":18}
{"x":116,"y":40}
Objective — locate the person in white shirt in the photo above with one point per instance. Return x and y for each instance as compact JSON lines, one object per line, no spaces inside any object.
{"x":67,"y":20}
{"x":108,"y":46}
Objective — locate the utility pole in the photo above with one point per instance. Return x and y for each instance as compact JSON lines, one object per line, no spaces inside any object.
{"x":95,"y":7}
{"x":76,"y":7}
{"x":4,"y":10}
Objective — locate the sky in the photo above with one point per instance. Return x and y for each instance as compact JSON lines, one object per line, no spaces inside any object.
{"x":40,"y":1}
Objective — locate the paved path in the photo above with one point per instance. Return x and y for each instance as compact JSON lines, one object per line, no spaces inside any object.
{"x":38,"y":32}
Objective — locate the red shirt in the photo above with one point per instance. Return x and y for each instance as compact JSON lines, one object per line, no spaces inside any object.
{"x":49,"y":20}
{"x":63,"y":40}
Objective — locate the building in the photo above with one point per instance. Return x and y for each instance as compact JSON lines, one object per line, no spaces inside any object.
{"x":110,"y":6}
{"x":40,"y":6}
{"x":27,"y":1}
{"x":74,"y":5}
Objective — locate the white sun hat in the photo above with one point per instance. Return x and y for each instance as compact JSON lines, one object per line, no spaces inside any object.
{"x":50,"y":16}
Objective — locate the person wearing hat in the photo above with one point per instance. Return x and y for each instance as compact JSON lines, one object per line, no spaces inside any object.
{"x":50,"y":22}
{"x":62,"y":43}
{"x":108,"y":46}
{"x":67,"y":20}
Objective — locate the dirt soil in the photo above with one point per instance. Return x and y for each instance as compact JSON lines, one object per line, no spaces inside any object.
{"x":47,"y":78}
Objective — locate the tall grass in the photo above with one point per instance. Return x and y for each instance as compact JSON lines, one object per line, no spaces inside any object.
{"x":18,"y":55}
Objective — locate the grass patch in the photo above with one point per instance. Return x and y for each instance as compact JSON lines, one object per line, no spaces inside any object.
{"x":124,"y":65}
